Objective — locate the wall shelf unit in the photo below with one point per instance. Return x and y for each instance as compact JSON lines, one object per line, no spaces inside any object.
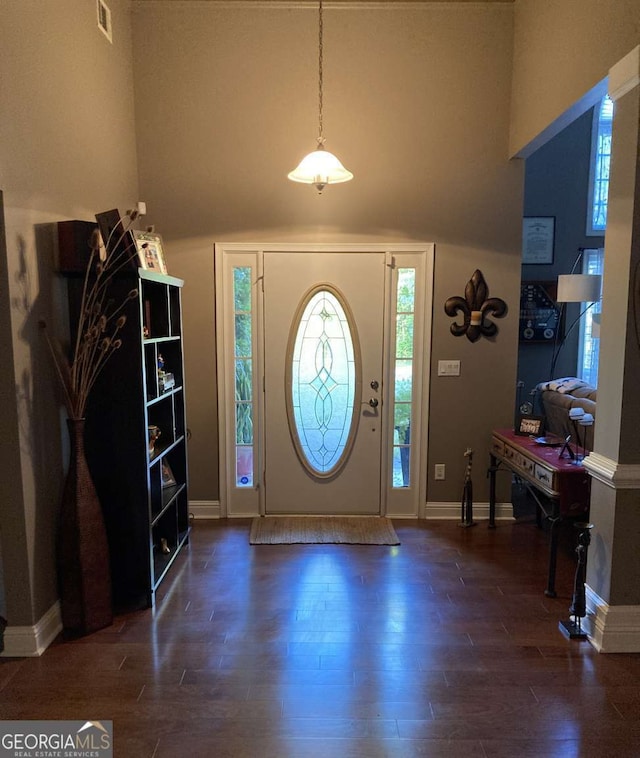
{"x":142,"y":487}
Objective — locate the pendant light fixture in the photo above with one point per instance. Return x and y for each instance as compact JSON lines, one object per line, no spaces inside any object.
{"x":320,"y":167}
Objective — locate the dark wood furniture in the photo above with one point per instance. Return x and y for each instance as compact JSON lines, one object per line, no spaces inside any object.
{"x":143,"y":494}
{"x":559,"y":487}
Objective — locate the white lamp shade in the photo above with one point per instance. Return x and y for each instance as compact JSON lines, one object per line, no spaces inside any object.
{"x":579,"y":288}
{"x":320,"y":168}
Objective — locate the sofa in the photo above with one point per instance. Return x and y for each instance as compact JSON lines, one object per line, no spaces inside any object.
{"x":557,"y":397}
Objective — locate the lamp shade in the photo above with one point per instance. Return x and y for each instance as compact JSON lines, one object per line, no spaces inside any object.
{"x":579,"y":288}
{"x":320,"y":168}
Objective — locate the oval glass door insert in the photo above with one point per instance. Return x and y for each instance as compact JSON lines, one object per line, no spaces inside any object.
{"x":323,"y":383}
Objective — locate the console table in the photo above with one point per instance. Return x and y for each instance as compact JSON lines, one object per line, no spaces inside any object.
{"x":565,"y":484}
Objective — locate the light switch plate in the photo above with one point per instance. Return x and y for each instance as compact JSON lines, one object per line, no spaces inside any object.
{"x":449,"y":368}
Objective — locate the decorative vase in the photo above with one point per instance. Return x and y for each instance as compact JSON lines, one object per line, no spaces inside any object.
{"x":83,"y":551}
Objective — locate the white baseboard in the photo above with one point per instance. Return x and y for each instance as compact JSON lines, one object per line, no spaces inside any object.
{"x":32,"y":641}
{"x":453,"y":511}
{"x":612,"y":629}
{"x":210,"y":509}
{"x":204,"y":509}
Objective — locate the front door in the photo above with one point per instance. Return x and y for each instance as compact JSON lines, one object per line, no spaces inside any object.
{"x":323,"y":369}
{"x":323,"y":358}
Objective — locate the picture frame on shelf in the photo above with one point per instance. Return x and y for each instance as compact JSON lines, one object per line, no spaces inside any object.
{"x":538,"y":239}
{"x":168,"y":479}
{"x":529,"y":426}
{"x":150,"y":251}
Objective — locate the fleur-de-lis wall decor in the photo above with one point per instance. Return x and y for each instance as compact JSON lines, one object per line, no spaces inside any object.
{"x":475,"y":306}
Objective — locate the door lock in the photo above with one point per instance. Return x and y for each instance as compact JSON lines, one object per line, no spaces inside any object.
{"x":373,"y":402}
{"x":374,"y":385}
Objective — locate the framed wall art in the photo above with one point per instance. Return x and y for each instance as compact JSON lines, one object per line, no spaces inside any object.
{"x":538,"y":235}
{"x":539,"y":314}
{"x":150,"y":251}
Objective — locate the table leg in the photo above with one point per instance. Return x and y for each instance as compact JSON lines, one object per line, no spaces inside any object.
{"x":553,"y":556}
{"x":493,"y":467}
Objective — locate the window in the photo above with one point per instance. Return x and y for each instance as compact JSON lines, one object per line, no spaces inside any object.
{"x":589,"y":344}
{"x":403,"y":376}
{"x":599,"y":171}
{"x":324,"y":370}
{"x":243,"y":339}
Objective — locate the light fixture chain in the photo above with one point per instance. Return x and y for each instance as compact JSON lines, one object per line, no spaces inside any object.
{"x":320,"y":51}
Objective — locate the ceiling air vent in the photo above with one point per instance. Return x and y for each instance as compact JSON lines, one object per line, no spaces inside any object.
{"x":104,"y":19}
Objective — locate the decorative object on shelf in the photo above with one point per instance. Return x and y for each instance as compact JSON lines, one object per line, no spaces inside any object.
{"x":529,"y":426}
{"x":146,"y":324}
{"x":74,"y":245}
{"x":320,"y":167}
{"x":466,"y":518}
{"x":577,"y":416}
{"x":566,"y":448}
{"x":154,"y":435}
{"x":572,"y":628}
{"x":168,"y":479}
{"x":166,"y":379}
{"x":549,"y":440}
{"x":475,"y":306}
{"x":116,"y":236}
{"x":150,"y":251}
{"x":83,"y":552}
{"x":574,"y":288}
{"x":538,"y":234}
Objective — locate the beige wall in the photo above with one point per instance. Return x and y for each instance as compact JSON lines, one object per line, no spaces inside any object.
{"x":416,"y":105}
{"x":562,"y":50}
{"x":67,"y":150}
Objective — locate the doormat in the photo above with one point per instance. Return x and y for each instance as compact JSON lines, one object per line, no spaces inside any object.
{"x":310,"y":530}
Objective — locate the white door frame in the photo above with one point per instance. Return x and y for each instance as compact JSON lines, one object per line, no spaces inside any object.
{"x":242,"y":502}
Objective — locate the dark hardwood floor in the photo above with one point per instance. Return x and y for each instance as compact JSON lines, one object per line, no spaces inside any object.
{"x":443,"y":646}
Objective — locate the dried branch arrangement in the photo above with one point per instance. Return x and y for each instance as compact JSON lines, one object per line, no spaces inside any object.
{"x":100,"y":322}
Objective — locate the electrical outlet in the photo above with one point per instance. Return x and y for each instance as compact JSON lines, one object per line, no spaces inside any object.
{"x":438,"y":471}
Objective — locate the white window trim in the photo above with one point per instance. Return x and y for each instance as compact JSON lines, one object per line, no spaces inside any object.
{"x":593,"y":159}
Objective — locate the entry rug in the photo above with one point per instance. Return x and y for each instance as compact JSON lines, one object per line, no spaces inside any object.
{"x":310,"y":530}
